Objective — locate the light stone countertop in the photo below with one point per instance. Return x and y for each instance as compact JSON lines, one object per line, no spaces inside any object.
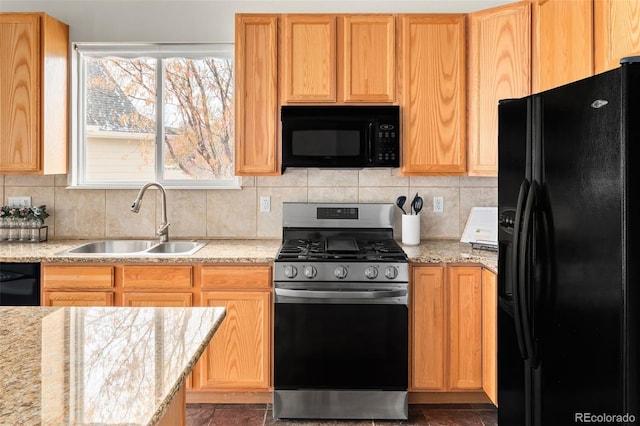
{"x":116,"y":366}
{"x":240,"y":251}
{"x":451,"y":252}
{"x":216,"y":251}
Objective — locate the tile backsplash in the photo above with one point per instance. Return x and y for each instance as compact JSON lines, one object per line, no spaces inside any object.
{"x":197,"y":213}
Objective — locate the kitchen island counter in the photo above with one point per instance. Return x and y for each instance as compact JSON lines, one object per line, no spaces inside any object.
{"x":115,"y":366}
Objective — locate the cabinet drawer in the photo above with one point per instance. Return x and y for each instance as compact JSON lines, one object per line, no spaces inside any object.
{"x":236,"y":277}
{"x":156,"y":277}
{"x":75,"y":277}
{"x":139,"y":300}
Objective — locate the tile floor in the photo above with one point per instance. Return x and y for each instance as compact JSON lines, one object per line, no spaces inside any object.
{"x":419,"y":415}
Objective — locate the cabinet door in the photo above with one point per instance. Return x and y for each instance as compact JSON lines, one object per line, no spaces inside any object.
{"x":19,"y":97}
{"x":238,"y":356}
{"x":489,"y":335}
{"x":369,"y":52}
{"x":432,"y":95}
{"x":428,"y":322}
{"x":499,"y":68}
{"x":616,"y":32}
{"x":562,"y":45}
{"x":77,"y":298}
{"x":33,"y":103}
{"x":256,"y":95}
{"x":309,"y":58}
{"x":465,"y":327}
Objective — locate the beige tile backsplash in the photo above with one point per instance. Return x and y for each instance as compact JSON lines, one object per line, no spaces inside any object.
{"x":94,"y":214}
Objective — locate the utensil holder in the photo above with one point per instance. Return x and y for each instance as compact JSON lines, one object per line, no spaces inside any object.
{"x":411,"y":229}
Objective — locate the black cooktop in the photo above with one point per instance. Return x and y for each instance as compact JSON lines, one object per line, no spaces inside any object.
{"x":347,"y":249}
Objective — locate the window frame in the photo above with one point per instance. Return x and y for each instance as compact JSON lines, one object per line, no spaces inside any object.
{"x":159,"y":51}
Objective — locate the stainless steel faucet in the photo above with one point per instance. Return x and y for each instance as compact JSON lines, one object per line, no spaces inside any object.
{"x":163,"y":230}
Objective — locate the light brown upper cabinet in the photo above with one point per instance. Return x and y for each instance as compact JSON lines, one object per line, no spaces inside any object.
{"x":617,"y":32}
{"x":34,"y":64}
{"x":433,"y":94}
{"x":309,"y":53}
{"x":369,"y":52}
{"x":562,"y":41}
{"x":256,"y":98}
{"x":499,"y":68}
{"x":338,"y":58}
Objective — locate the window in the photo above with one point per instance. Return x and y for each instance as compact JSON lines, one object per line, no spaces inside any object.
{"x":161,"y":112}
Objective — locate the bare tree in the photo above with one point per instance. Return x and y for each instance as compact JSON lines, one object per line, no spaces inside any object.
{"x":197,"y":105}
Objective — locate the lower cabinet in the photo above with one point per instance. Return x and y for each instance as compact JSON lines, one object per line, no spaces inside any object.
{"x":428,"y":347}
{"x":238,"y":359}
{"x":239,"y":355}
{"x":465,"y":327}
{"x":452,"y":319}
{"x":453,"y":329}
{"x":490,"y":335}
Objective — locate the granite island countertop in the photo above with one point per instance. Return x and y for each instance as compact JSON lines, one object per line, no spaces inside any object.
{"x":116,"y":366}
{"x":239,"y":251}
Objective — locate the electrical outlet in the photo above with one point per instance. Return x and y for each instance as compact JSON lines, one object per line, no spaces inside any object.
{"x":20,"y":201}
{"x":265,"y":203}
{"x":438,"y":204}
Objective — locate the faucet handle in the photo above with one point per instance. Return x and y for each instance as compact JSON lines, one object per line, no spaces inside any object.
{"x":162,"y":229}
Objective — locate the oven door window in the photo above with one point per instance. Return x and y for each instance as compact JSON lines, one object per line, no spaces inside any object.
{"x":341,"y":346}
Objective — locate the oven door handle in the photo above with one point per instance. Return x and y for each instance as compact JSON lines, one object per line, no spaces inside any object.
{"x":351,"y":295}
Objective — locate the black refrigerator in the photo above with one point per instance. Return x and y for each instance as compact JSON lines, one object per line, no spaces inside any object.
{"x":568,"y":263}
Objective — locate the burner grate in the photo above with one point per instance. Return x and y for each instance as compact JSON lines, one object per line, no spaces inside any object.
{"x":341,"y":249}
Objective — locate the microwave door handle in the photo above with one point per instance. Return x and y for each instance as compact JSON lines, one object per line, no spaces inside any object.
{"x":370,"y":142}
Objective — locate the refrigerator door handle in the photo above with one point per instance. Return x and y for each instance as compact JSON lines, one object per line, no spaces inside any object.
{"x":517,"y":310}
{"x":525,"y":267}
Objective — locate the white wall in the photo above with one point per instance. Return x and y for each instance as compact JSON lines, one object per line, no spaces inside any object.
{"x":205,"y":20}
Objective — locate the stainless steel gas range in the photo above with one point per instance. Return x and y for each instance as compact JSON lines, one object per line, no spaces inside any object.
{"x":341,"y":314}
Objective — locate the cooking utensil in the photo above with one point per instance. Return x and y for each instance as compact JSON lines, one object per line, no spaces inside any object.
{"x":418,"y":203}
{"x":413,"y":202}
{"x":400,"y":203}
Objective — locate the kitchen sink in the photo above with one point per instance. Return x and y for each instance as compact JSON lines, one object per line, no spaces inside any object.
{"x":135,"y":248}
{"x":176,"y":247}
{"x":113,"y":247}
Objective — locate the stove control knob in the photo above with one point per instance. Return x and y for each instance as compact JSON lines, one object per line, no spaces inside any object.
{"x":340,"y":272}
{"x":310,"y":272}
{"x":290,"y":271}
{"x":371,"y":272}
{"x":391,"y":272}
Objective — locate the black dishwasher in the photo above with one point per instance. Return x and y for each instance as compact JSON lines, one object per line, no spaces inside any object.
{"x":19,"y":284}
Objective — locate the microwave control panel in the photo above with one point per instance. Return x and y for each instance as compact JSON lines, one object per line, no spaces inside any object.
{"x":386,"y":149}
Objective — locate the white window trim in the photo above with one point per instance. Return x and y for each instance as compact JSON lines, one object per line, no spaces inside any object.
{"x":156,"y":50}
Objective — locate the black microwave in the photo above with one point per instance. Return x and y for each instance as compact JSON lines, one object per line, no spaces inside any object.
{"x":341,"y":136}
